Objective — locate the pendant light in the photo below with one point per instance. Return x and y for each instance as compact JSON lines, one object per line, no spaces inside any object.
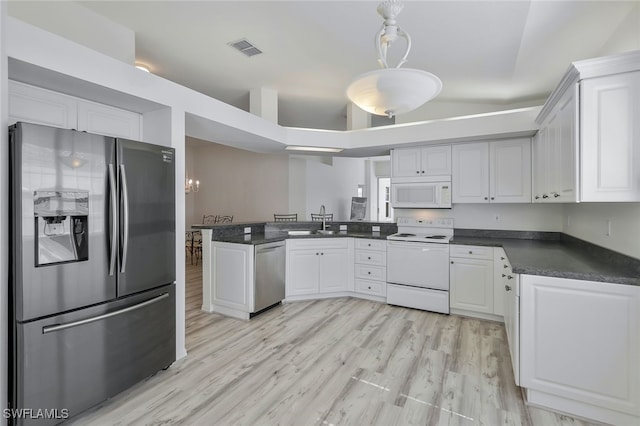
{"x":392,"y":90}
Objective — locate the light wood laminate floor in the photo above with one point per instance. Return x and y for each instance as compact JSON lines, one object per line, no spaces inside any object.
{"x":332,"y":362}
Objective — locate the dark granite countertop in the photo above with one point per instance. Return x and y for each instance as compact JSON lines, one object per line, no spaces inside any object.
{"x":562,"y":257}
{"x":274,"y":236}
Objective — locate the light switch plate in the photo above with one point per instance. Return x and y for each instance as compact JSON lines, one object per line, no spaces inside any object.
{"x":247,"y":230}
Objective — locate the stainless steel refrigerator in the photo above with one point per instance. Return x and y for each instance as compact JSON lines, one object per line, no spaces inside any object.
{"x":92,"y":258}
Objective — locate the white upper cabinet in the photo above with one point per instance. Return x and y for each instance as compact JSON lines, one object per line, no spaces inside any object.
{"x":610,"y":118}
{"x":510,"y":171}
{"x":416,"y":163}
{"x":496,"y":172}
{"x":588,"y":146}
{"x":470,"y":178}
{"x":40,"y":106}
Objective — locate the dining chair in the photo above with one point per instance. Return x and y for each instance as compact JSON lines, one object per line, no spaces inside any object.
{"x":224,"y":218}
{"x":318,"y":217}
{"x":188,"y":244}
{"x":197,"y":246}
{"x":289,"y":217}
{"x":209,"y":219}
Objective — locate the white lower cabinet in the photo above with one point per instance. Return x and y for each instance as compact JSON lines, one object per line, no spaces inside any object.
{"x":317,"y":267}
{"x":228,"y":277}
{"x":510,"y":291}
{"x":371,"y":268}
{"x":471,"y":280}
{"x":580,"y":346}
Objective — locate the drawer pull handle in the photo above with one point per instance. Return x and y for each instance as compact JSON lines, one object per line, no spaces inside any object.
{"x":501,"y":258}
{"x":507,"y":288}
{"x":470,"y":252}
{"x":369,"y":257}
{"x":509,"y":277}
{"x":369,"y":272}
{"x":503,"y":275}
{"x":505,"y":266}
{"x":369,"y":287}
{"x":452,"y":262}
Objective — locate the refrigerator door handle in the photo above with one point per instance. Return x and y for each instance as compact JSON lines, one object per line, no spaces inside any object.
{"x":113,"y":218}
{"x":59,"y":327}
{"x":125,"y":218}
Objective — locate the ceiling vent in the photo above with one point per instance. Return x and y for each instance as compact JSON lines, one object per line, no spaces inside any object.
{"x":245,"y":47}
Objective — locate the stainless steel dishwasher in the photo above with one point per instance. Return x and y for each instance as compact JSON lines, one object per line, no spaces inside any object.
{"x":269,"y":275}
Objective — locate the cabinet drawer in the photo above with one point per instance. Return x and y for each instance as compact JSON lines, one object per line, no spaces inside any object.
{"x":317,"y":243}
{"x":371,"y":257}
{"x":472,"y":252}
{"x":380,"y":245}
{"x":376,"y":288}
{"x":369,"y":272}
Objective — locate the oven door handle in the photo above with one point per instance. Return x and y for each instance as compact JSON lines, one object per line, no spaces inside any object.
{"x":420,"y":246}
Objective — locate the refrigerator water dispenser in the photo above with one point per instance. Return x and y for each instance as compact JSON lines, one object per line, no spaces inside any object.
{"x":61,"y":226}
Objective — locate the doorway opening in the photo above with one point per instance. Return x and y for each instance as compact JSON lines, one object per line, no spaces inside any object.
{"x":385,"y":212}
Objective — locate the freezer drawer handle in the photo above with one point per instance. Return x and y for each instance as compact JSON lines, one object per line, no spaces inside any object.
{"x":59,"y":327}
{"x":125,"y":226}
{"x":114,"y":215}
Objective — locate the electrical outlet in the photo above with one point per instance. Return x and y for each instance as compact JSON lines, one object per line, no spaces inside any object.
{"x":375,"y":229}
{"x":247,"y":230}
{"x":343,"y":227}
{"x":496,"y":218}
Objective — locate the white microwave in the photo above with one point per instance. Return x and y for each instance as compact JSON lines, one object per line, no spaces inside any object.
{"x":429,"y":195}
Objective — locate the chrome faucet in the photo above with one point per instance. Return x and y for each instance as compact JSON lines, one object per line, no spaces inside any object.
{"x":324,"y":221}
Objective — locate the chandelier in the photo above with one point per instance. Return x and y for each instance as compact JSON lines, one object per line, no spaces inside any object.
{"x":191,"y":186}
{"x":392,"y":90}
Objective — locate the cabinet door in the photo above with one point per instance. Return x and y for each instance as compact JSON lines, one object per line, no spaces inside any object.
{"x":470,"y":177}
{"x":405,"y":162}
{"x":540,"y":165}
{"x":581,"y":340}
{"x":40,"y":106}
{"x":334,"y":270}
{"x":472,"y":285}
{"x":232,"y":275}
{"x":302,"y":272}
{"x":436,"y":161}
{"x":610,"y":132}
{"x":510,"y":171}
{"x":565,"y":176}
{"x":499,"y":276}
{"x":511,"y":310}
{"x":109,"y":121}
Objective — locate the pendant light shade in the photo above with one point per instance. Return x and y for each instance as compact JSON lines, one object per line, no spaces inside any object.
{"x":392,"y":90}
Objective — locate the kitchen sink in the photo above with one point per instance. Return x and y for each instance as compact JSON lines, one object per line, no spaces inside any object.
{"x":302,"y":232}
{"x":311,"y":232}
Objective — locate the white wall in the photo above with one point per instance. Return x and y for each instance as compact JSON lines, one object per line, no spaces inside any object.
{"x":247,"y":185}
{"x":298,"y":186}
{"x":590,"y":222}
{"x":75,"y":22}
{"x":333,"y":185}
{"x":521,"y":217}
{"x":627,"y":36}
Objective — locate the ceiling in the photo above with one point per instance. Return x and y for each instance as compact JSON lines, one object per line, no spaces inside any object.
{"x":485,"y":52}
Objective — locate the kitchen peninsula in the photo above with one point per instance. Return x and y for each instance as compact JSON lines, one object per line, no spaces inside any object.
{"x":570,"y":308}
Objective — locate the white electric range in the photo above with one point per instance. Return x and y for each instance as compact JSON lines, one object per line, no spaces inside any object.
{"x":418,"y":264}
